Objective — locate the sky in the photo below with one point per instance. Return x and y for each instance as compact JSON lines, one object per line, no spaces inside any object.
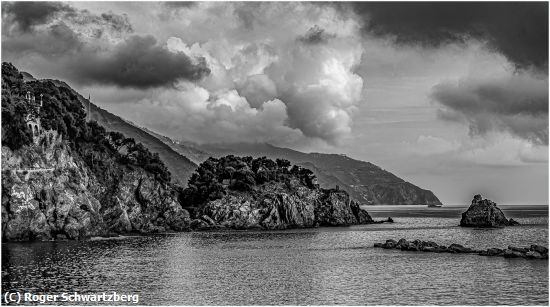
{"x":452,"y":97}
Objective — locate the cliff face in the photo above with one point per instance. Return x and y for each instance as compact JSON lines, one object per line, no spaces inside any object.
{"x":48,"y":192}
{"x":274,"y":206}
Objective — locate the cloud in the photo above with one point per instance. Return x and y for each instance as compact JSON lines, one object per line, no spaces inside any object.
{"x":179,"y":4}
{"x":430,"y":145}
{"x":189,"y":111}
{"x":263,"y":61}
{"x":139,"y":62}
{"x":516,"y":103}
{"x":315,"y":35}
{"x":258,"y":89}
{"x":55,"y":40}
{"x":29,"y":14}
{"x":94,"y":49}
{"x":501,"y":150}
{"x":519,"y":30}
{"x":319,"y":86}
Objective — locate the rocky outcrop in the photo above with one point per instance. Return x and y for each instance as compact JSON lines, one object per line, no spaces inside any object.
{"x":531,"y":252}
{"x":48,"y":192}
{"x":283,"y":206}
{"x":484,"y":213}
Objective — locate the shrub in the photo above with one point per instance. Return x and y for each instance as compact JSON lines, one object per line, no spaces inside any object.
{"x":215,"y":177}
{"x":63,"y":111}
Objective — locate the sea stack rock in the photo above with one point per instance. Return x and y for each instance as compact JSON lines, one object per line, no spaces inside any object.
{"x":484,"y":213}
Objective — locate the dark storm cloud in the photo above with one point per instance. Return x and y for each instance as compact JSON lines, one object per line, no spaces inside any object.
{"x":518,"y":30}
{"x":517,"y":104}
{"x":56,"y":39}
{"x":179,"y":4}
{"x":138,"y":62}
{"x":315,"y":35}
{"x":28,"y":14}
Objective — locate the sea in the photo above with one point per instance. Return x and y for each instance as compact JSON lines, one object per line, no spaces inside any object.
{"x":321,"y":266}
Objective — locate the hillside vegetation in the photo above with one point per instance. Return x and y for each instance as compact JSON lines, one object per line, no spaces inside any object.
{"x":179,"y":165}
{"x":216,"y":177}
{"x":364,"y":181}
{"x":63,"y":112}
{"x":74,"y":179}
{"x":243,"y":193}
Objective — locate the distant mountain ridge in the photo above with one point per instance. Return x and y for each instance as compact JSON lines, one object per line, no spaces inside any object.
{"x":364,"y":181}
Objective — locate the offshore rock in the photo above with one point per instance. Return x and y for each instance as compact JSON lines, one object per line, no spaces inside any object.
{"x":457,"y":248}
{"x":484,"y":213}
{"x":492,"y":252}
{"x":539,"y":249}
{"x":277,"y":205}
{"x":532,"y":252}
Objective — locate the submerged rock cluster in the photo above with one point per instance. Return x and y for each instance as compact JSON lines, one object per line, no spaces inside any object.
{"x":532,"y":252}
{"x":485,"y":213}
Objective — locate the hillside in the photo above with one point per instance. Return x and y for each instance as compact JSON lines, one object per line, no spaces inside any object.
{"x":179,"y":165}
{"x":64,"y":177}
{"x":364,"y":181}
{"x":186,"y":149}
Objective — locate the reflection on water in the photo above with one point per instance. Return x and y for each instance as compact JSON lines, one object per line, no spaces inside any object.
{"x":298,"y":267}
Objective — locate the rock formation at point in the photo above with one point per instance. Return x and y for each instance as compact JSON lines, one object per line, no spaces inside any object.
{"x":484,"y":213}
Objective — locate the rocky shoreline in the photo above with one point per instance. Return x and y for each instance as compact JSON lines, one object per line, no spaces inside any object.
{"x":206,"y":223}
{"x":532,"y":252}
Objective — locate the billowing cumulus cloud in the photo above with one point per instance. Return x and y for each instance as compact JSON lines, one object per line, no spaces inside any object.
{"x":515,"y":103}
{"x":519,"y":30}
{"x":258,"y":89}
{"x":308,"y":68}
{"x":194,"y":113}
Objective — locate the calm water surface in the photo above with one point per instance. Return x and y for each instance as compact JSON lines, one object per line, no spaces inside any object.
{"x":297,"y":267}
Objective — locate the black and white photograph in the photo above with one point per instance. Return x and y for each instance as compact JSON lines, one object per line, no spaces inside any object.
{"x":284,"y":153}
